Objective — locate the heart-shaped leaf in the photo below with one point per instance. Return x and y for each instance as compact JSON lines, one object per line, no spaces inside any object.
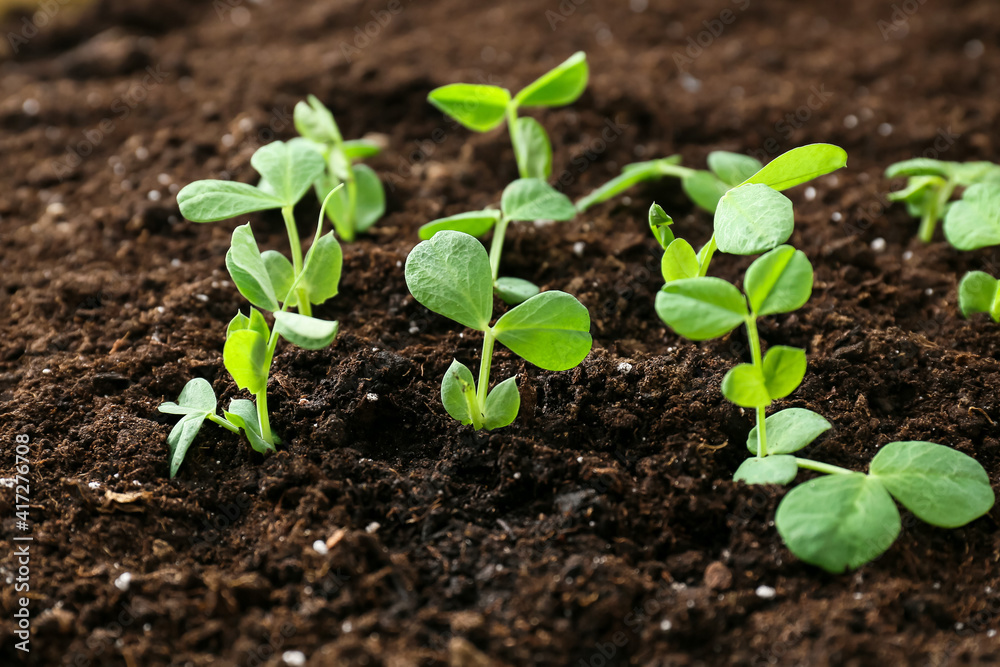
{"x":248,"y":271}
{"x":701,"y":308}
{"x":534,"y":199}
{"x":450,"y":274}
{"x":779,"y":281}
{"x":550,"y":330}
{"x":752,"y":219}
{"x":559,"y":86}
{"x":307,"y":332}
{"x":942,"y":486}
{"x":479,"y":108}
{"x":210,"y":201}
{"x":789,"y":430}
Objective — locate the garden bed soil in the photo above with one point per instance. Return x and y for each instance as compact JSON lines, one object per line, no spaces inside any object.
{"x":601,"y":528}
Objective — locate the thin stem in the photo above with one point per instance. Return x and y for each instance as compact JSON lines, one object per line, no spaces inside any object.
{"x":352,"y":207}
{"x":224,"y":423}
{"x":496,"y":246}
{"x":293,"y":240}
{"x":265,"y":423}
{"x":929,"y":220}
{"x":676,"y":170}
{"x":825,"y":468}
{"x":484,"y":370}
{"x":705,"y":256}
{"x":754,"y":338}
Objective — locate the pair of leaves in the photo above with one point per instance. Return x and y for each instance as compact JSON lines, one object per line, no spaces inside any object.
{"x":450,"y":275}
{"x":523,"y":199}
{"x":482,"y":108}
{"x":979,"y":292}
{"x":357,"y":207}
{"x":458,"y":395}
{"x":846,"y":520}
{"x":196,"y":403}
{"x":754,"y":217}
{"x":266,"y":279}
{"x":780,"y":373}
{"x":287,"y":170}
{"x":726,"y":170}
{"x":703,"y":308}
{"x":787,"y":431}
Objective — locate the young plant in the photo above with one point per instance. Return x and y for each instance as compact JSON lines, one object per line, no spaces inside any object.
{"x":267,"y":281}
{"x":361,"y":203}
{"x":482,"y":108}
{"x":969,"y":223}
{"x":846,"y":518}
{"x":524,"y":199}
{"x":450,"y":275}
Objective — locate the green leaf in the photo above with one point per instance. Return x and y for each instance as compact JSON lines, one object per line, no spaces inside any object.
{"x":281,"y":274}
{"x":752,"y":219}
{"x":940,"y":485}
{"x":784,"y":368}
{"x":359,"y":149}
{"x":745,"y":386}
{"x":532,"y":149}
{"x":632,"y":174}
{"x":838,"y":521}
{"x":369,"y":198}
{"x":502,"y":404}
{"x":479,"y":108}
{"x":800,"y":165}
{"x":974,"y":221}
{"x":240,"y":321}
{"x":210,"y":201}
{"x":559,"y":86}
{"x":917,"y":189}
{"x":458,"y":392}
{"x":197,"y":397}
{"x":550,"y":330}
{"x":322,"y":269}
{"x":450,"y":275}
{"x":180,"y":438}
{"x":534,"y":199}
{"x":778,"y":469}
{"x":515,"y":290}
{"x":701,"y":308}
{"x":704,"y":189}
{"x":245,"y":357}
{"x":979,"y":292}
{"x":338,"y":207}
{"x":248,"y":271}
{"x":289,"y":168}
{"x":679,"y":261}
{"x":733,"y":168}
{"x":243,"y":413}
{"x":307,"y":332}
{"x":920,"y":166}
{"x":659,"y":224}
{"x":779,"y":281}
{"x":473,"y":223}
{"x":314,"y":121}
{"x":789,"y":430}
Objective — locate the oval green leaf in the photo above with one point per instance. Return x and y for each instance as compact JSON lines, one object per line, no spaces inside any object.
{"x":359,"y":149}
{"x":210,"y":201}
{"x":733,"y":168}
{"x":289,"y":168}
{"x":245,"y":357}
{"x":479,"y":108}
{"x":752,"y":219}
{"x":515,"y":290}
{"x":779,"y":281}
{"x":800,"y":165}
{"x":458,"y":392}
{"x":473,"y":223}
{"x":532,"y":149}
{"x":778,"y":469}
{"x":550,"y":330}
{"x":450,"y":274}
{"x":974,"y":221}
{"x":322,"y":269}
{"x":940,"y":485}
{"x":534,"y":199}
{"x":789,"y":430}
{"x":248,"y":271}
{"x":679,"y":261}
{"x":701,"y":308}
{"x":281,"y":273}
{"x":369,"y":198}
{"x":838,"y":521}
{"x":559,"y":86}
{"x":744,"y":385}
{"x":502,"y":404}
{"x":307,"y":332}
{"x":180,"y":438}
{"x":243,"y":413}
{"x":979,"y":292}
{"x":784,"y":368}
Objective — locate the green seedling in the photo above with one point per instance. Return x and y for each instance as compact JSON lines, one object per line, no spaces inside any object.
{"x":751,"y":217}
{"x":482,"y":108}
{"x":268,"y":282}
{"x":979,"y":292}
{"x":361,"y":202}
{"x":970,"y":222}
{"x":450,"y":275}
{"x":524,"y":199}
{"x":846,"y":518}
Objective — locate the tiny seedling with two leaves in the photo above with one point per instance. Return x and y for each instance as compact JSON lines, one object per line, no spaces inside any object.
{"x":482,"y":108}
{"x":523,"y":200}
{"x":361,"y":202}
{"x":844,"y":518}
{"x":271,"y":284}
{"x":970,"y":223}
{"x":450,"y":275}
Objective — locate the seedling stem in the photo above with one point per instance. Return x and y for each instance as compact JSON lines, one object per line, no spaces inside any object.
{"x":758,"y":361}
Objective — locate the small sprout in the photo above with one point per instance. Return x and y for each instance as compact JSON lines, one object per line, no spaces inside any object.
{"x":482,"y":108}
{"x":930,"y":186}
{"x":979,"y":292}
{"x":525,"y":199}
{"x":360,"y":204}
{"x":450,"y":275}
{"x":845,"y":518}
{"x":196,"y":403}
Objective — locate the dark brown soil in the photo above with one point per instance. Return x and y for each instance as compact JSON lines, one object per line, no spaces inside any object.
{"x":600,"y":528}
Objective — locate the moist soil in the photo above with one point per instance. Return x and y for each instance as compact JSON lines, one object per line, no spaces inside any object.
{"x":600,"y":528}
